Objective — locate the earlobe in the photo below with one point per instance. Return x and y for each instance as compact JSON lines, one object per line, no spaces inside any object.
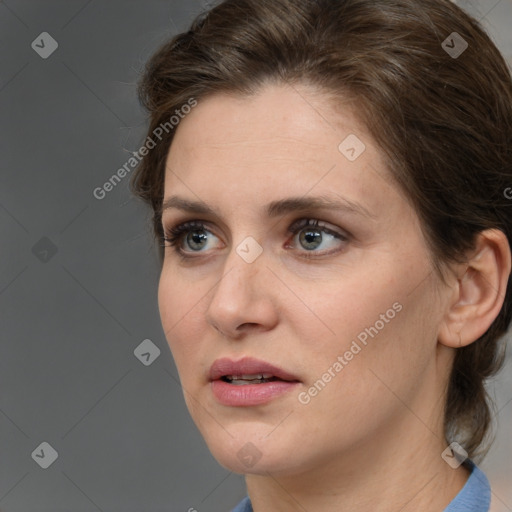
{"x":478,"y":294}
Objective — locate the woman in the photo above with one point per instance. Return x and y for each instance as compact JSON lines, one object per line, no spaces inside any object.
{"x":329,"y":189}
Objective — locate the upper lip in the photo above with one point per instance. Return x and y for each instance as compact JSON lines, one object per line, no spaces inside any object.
{"x":247,"y":366}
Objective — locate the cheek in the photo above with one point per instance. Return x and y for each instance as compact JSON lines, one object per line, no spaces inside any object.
{"x":376,"y":317}
{"x":384,"y":343}
{"x":373,"y":379}
{"x":179,"y":307}
{"x":167,"y":304}
{"x":340,"y":310}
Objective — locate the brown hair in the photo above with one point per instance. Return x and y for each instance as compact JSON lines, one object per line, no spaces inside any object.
{"x":444,"y":121}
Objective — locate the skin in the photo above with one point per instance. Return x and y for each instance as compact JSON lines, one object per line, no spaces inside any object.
{"x":372,"y":438}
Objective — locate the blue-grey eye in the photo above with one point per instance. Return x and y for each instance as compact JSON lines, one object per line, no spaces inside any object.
{"x":313,"y":236}
{"x":197,"y":240}
{"x":310,"y":239}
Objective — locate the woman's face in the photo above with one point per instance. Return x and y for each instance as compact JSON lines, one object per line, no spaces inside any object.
{"x":348,"y":309}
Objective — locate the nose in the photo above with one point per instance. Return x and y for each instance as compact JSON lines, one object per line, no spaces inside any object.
{"x":242,"y":300}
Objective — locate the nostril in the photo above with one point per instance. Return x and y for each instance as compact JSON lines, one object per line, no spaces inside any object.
{"x":248,"y":325}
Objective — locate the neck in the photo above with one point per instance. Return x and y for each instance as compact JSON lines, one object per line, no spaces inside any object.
{"x":385,"y":476}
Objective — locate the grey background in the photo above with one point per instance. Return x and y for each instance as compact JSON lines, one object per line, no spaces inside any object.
{"x":78,"y":275}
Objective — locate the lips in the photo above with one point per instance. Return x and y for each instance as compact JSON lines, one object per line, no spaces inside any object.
{"x":248,"y":371}
{"x":249,"y":382}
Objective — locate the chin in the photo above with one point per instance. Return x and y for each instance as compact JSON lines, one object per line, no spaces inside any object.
{"x":250,"y":452}
{"x":247,"y":461}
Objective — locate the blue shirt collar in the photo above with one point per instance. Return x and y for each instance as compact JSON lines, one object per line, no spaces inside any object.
{"x":475,"y":496}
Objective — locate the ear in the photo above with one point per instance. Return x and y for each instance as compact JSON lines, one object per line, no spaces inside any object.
{"x":478,"y":292}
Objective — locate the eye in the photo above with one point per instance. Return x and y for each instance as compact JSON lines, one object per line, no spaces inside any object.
{"x":314,"y":236}
{"x":189,"y":237}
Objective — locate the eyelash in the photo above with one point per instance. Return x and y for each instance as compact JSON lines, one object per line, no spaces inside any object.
{"x":174,"y":235}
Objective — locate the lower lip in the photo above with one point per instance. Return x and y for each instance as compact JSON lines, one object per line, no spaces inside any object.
{"x":249,"y":394}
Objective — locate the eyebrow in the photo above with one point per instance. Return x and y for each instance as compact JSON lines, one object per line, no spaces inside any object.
{"x":276,"y":208}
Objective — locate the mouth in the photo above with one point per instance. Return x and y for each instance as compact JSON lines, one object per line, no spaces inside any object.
{"x":248,"y":382}
{"x":248,"y":371}
{"x":241,"y":380}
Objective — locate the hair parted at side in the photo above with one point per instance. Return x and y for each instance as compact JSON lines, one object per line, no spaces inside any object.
{"x":444,"y":123}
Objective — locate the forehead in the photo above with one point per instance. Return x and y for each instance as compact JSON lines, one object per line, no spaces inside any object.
{"x":283,"y":140}
{"x":275,"y":117}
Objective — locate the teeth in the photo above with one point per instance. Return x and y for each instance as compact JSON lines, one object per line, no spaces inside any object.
{"x":256,"y":376}
{"x":241,"y":380}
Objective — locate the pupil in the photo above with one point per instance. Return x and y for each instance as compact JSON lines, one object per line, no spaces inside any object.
{"x":311,"y":239}
{"x":195,"y":238}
